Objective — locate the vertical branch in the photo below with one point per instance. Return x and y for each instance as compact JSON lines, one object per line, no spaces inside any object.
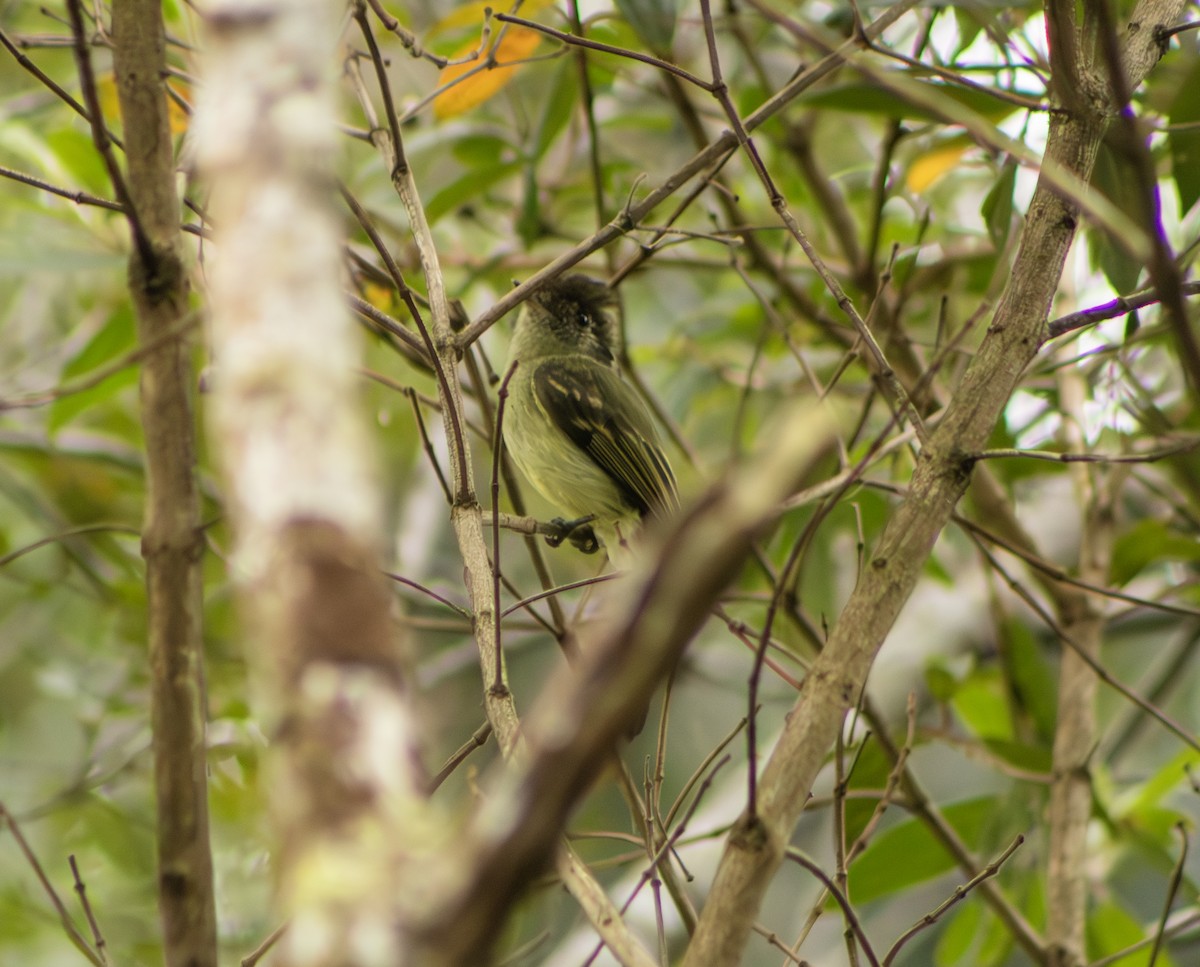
{"x":757,"y":843}
{"x":172,"y":543}
{"x":1075,"y":734}
{"x":348,"y":784}
{"x":465,"y":515}
{"x":467,"y":519}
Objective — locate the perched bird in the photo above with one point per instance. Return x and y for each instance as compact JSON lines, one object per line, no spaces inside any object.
{"x":577,"y":430}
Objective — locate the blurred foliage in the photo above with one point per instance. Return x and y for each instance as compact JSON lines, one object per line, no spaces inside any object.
{"x":725,"y":321}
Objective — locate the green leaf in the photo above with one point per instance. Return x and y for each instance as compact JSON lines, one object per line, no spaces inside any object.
{"x":997,"y":208}
{"x":1185,"y":145}
{"x":1031,"y":758}
{"x":959,"y":938}
{"x":115,"y":338}
{"x":875,"y":99}
{"x":975,"y":937}
{"x":475,"y":149}
{"x":1115,"y":178}
{"x":1032,"y":677}
{"x":969,"y":25}
{"x":559,"y":105}
{"x":908,"y":854}
{"x":940,"y":681}
{"x":1110,"y":928}
{"x":468,"y":188}
{"x":871,"y":769}
{"x":982,"y":703}
{"x":530,"y":224}
{"x":1148,"y":794}
{"x":1147,"y":542}
{"x":652,"y":20}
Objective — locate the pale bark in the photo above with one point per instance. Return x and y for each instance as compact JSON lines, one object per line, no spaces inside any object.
{"x":347,"y":783}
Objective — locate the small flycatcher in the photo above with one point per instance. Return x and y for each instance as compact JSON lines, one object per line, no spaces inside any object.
{"x":577,"y":430}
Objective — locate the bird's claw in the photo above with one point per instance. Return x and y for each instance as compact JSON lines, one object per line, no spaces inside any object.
{"x":579,"y":532}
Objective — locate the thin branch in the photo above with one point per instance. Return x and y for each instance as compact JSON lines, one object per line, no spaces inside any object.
{"x":960,"y":893}
{"x":81,"y":890}
{"x":497,"y":450}
{"x":884,"y":371}
{"x":573,"y":40}
{"x":79,"y":197}
{"x":477,"y":741}
{"x":47,"y":80}
{"x":700,"y":162}
{"x":428,"y":592}
{"x":1120,"y":306}
{"x":99,"y":375}
{"x":418,"y":352}
{"x":1183,"y":924}
{"x":410,"y":42}
{"x":259,"y":952}
{"x":1172,"y":892}
{"x":919,"y":804}
{"x":1101,"y":672}
{"x":831,"y":888}
{"x":103,"y":140}
{"x":64,"y":535}
{"x":1151,"y":456}
{"x":1057,"y":574}
{"x":64,"y":917}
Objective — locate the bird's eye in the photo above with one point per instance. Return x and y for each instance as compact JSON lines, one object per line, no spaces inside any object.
{"x":584,"y":320}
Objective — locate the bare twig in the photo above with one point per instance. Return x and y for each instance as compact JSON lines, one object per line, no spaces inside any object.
{"x":81,"y":890}
{"x":64,"y":917}
{"x":851,"y":918}
{"x":960,"y":893}
{"x":1172,"y":892}
{"x":259,"y":952}
{"x":103,"y":140}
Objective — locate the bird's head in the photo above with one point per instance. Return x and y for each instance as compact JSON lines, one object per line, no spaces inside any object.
{"x":571,"y":315}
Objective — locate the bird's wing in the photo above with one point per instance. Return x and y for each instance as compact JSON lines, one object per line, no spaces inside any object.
{"x":604,"y":417}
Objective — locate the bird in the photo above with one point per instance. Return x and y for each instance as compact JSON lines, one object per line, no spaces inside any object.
{"x":574,"y":427}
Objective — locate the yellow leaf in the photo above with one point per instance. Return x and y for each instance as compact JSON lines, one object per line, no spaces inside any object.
{"x":516,"y":44}
{"x":930,"y":166}
{"x":472,"y":15}
{"x":110,"y":103}
{"x":178,"y":116}
{"x":380,"y":296}
{"x":468,"y":15}
{"x":106,"y":93}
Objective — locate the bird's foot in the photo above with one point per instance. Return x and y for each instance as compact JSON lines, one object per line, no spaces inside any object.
{"x":579,"y":532}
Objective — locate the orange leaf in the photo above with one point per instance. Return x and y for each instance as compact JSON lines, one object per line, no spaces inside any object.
{"x":517,"y":43}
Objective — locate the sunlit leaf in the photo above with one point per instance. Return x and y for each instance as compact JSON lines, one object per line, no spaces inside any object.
{"x":478,"y":85}
{"x":931,"y":165}
{"x":982,"y":704}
